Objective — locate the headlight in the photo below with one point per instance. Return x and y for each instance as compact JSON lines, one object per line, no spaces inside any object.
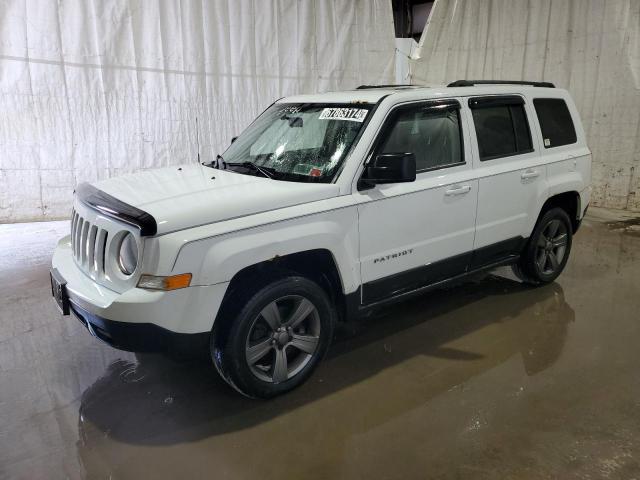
{"x":128,"y":254}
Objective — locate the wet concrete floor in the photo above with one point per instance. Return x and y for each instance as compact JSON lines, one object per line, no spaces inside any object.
{"x":489,"y":379}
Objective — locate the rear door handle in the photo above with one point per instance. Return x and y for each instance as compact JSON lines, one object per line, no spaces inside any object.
{"x":458,"y":190}
{"x":530,"y":174}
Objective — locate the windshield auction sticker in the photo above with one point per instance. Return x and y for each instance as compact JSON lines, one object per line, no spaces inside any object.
{"x":351,"y":114}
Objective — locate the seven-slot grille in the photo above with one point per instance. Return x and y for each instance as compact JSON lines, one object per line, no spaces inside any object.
{"x":88,"y":243}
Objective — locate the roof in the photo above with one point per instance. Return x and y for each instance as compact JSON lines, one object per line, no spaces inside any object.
{"x":373,"y":95}
{"x":349,"y":96}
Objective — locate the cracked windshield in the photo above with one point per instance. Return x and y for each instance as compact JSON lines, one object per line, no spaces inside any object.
{"x":305,"y":142}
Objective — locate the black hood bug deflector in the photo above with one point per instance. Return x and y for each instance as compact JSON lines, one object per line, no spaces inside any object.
{"x":112,"y":207}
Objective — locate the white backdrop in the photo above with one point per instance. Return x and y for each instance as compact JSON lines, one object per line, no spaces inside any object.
{"x":96,"y":88}
{"x":591,"y":47}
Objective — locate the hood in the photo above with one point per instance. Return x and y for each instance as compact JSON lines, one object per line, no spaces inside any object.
{"x":185,"y":196}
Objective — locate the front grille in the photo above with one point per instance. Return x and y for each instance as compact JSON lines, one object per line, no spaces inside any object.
{"x":89,"y":244}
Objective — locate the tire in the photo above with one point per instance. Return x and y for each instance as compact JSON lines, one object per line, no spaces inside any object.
{"x":547,"y":251}
{"x":276,"y":339}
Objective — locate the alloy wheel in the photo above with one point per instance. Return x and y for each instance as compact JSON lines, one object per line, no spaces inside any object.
{"x":283,"y":338}
{"x":551,"y":247}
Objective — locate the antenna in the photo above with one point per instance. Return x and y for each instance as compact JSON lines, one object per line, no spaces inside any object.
{"x":198,"y":139}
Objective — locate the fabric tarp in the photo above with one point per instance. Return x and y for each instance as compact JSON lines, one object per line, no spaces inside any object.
{"x":91,"y":89}
{"x":590,"y":47}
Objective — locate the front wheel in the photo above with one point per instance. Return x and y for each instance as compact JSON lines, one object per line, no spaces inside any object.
{"x":277,"y":338}
{"x":547,"y":250}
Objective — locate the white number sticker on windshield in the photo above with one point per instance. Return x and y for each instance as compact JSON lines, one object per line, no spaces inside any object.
{"x":290,"y":109}
{"x":351,"y":114}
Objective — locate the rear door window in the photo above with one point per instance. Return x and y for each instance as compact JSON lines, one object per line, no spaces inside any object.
{"x":501,"y":126}
{"x":555,"y":122}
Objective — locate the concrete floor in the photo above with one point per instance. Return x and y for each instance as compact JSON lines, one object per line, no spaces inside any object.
{"x":485,"y":380}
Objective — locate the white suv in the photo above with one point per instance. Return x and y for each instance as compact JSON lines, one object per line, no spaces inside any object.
{"x":326,"y":206}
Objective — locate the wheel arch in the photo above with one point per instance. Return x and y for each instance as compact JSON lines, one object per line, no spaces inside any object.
{"x":318,"y":265}
{"x":569,"y":202}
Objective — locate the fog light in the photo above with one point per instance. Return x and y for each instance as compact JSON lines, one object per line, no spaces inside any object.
{"x":152,"y":282}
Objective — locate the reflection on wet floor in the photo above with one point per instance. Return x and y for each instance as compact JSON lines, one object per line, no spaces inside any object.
{"x":201,"y":401}
{"x":489,"y":379}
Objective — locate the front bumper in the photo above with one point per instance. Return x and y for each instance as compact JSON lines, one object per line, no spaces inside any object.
{"x":139,"y":337}
{"x":138,"y":319}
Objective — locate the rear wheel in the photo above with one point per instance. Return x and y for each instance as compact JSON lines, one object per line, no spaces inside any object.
{"x":547,"y":250}
{"x":277,"y":339}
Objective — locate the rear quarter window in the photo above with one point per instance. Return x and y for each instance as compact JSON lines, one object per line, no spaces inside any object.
{"x":555,"y":122}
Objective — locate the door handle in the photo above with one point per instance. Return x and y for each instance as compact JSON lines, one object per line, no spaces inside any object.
{"x":458,"y":190}
{"x":530,"y":174}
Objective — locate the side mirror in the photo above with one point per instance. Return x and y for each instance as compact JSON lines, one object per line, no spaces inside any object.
{"x":391,"y":168}
{"x":233,"y":139}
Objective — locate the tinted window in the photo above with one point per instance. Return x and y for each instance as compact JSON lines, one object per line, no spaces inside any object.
{"x":431,"y":134}
{"x":555,"y":122}
{"x":521,"y":127}
{"x":502,"y":130}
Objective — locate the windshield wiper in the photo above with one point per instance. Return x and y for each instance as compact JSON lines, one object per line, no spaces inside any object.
{"x":252,"y":166}
{"x":216,"y":163}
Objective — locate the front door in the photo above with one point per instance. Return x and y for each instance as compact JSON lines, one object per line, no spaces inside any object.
{"x":417,"y":233}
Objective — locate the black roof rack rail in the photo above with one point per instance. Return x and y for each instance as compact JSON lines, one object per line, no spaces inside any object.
{"x":366,"y":87}
{"x":471,"y":83}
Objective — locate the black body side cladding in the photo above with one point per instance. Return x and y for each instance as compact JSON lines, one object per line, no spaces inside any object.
{"x":415,"y":278}
{"x":112,"y":207}
{"x":497,"y":252}
{"x":424,"y":278}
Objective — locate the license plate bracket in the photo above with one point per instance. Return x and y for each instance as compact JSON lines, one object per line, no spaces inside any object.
{"x":59,"y":291}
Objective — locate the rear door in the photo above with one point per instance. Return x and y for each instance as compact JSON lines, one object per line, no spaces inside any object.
{"x":511,"y":174}
{"x":417,"y":233}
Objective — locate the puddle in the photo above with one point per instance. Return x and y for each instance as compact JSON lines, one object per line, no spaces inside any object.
{"x":629,"y":226}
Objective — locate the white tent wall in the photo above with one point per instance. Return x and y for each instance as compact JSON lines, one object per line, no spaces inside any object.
{"x":590,"y":47}
{"x":91,"y":89}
